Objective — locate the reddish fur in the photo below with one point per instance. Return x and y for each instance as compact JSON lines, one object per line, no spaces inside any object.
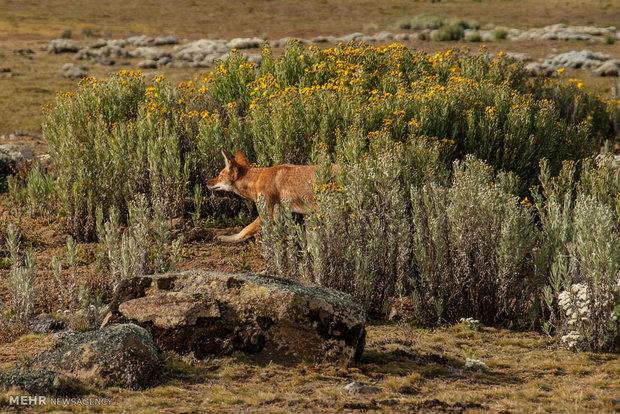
{"x":281,"y":182}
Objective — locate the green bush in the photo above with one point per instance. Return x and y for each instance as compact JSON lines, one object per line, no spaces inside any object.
{"x":447,"y":33}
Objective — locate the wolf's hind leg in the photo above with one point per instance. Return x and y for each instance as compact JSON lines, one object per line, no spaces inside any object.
{"x":249,"y":231}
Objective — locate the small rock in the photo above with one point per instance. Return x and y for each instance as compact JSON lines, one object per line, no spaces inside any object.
{"x":147,"y":64}
{"x":362,"y":388}
{"x":245,"y":43}
{"x":44,"y":324}
{"x":323,"y":39}
{"x":11,"y":155}
{"x":151,"y":53}
{"x":62,"y":46}
{"x":475,"y":365}
{"x":71,"y":70}
{"x":99,"y":43}
{"x":171,"y":39}
{"x":142,"y":40}
{"x":23,"y":52}
{"x":609,"y":68}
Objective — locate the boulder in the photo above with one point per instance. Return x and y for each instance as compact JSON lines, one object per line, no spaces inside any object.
{"x":11,"y":155}
{"x":218,"y":313}
{"x":40,"y":382}
{"x":123,"y":354}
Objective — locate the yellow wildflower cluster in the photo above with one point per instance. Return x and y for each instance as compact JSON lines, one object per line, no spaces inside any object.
{"x":328,"y":188}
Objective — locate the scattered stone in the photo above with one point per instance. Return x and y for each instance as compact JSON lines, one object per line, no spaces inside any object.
{"x":171,"y":39}
{"x":151,"y":53}
{"x":245,"y":43}
{"x":537,"y":68}
{"x":11,"y":155}
{"x":164,"y":61}
{"x":584,"y":59}
{"x":71,"y":70}
{"x":122,"y":354}
{"x":521,"y":57}
{"x":609,"y":68}
{"x":219,"y":313}
{"x":147,"y":64}
{"x":142,"y":40}
{"x":323,"y":39}
{"x":475,"y":365}
{"x":99,"y":43}
{"x":23,"y":52}
{"x":252,"y":58}
{"x":45,"y":324}
{"x":20,"y":134}
{"x":5,"y":70}
{"x":362,"y":388}
{"x":201,"y":52}
{"x":40,"y":382}
{"x":62,"y":46}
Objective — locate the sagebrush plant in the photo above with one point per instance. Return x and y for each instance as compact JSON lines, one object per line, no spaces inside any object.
{"x":578,"y":251}
{"x":471,"y":244}
{"x":22,"y":275}
{"x":144,"y":247}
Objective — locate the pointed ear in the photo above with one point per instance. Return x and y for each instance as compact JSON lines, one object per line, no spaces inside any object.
{"x":227,"y":158}
{"x":241,"y":159}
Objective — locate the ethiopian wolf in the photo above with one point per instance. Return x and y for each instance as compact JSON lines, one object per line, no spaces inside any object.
{"x":281,"y":182}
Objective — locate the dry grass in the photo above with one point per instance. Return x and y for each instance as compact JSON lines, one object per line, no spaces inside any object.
{"x":415,"y":369}
{"x":190,"y":18}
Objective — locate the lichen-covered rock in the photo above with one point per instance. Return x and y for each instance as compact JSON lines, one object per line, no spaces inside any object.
{"x":218,"y":313}
{"x":123,"y":354}
{"x":40,"y":382}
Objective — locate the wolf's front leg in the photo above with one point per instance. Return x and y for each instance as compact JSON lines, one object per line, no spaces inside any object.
{"x":243,"y":235}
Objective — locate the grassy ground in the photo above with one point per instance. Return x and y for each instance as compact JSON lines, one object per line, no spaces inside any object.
{"x":417,"y":370}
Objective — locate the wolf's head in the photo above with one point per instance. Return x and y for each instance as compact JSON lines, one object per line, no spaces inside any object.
{"x":233,"y":169}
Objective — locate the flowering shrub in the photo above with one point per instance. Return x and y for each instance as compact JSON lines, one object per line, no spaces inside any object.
{"x":426,"y":203}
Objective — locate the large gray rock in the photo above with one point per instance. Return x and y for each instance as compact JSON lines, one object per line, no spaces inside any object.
{"x":40,"y":382}
{"x":123,"y":354}
{"x":218,"y":313}
{"x":11,"y":155}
